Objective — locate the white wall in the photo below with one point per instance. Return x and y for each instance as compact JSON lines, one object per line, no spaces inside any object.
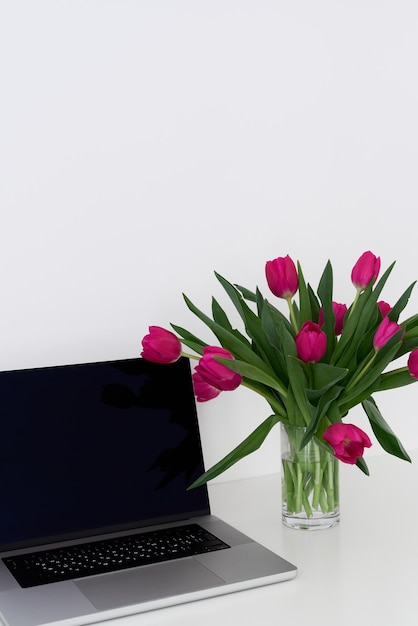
{"x":145,"y":143}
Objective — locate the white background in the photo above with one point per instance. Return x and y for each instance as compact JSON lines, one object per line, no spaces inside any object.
{"x":146,"y":143}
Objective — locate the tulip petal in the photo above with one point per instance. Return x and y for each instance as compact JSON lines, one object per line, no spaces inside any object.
{"x":203,"y":390}
{"x":413,"y":363}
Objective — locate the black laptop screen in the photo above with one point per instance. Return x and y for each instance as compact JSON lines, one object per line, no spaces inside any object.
{"x":96,"y":447}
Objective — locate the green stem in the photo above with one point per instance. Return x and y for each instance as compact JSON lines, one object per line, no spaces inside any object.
{"x":289,"y":486}
{"x":306,"y":505}
{"x":361,"y":373}
{"x":323,"y":503}
{"x":353,"y":306}
{"x":292,"y":314}
{"x":299,"y":489}
{"x":330,"y":485}
{"x":191,"y":356}
{"x":318,"y":473}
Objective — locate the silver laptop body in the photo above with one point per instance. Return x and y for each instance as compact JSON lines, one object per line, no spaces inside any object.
{"x":103,"y":451}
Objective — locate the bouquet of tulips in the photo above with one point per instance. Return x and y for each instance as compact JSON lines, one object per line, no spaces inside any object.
{"x":311,"y":367}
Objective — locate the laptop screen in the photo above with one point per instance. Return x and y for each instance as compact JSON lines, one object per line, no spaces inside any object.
{"x":97,"y":448}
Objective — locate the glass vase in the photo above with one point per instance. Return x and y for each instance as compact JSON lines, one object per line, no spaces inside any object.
{"x":310,"y":485}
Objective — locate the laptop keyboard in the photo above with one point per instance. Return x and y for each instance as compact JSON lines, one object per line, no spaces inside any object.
{"x":110,"y":555}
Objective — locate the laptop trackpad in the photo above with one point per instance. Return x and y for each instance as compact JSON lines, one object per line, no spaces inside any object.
{"x":147,"y":583}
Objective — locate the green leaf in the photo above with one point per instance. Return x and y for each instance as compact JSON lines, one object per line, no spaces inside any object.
{"x":394,"y":379}
{"x":333,"y":414}
{"x":253,"y":373}
{"x":366,"y":344}
{"x":249,"y":445}
{"x":294,"y":415}
{"x":325,"y":288}
{"x":221,"y":318}
{"x":193,"y":346}
{"x":240,"y":348}
{"x":378,"y":289}
{"x":361,"y":464}
{"x":189,"y":338}
{"x":305,"y":311}
{"x":407,"y":346}
{"x":400,"y":304}
{"x":386,"y":437}
{"x":259,"y":301}
{"x":219,"y":315}
{"x":247,"y":294}
{"x":344,"y":407}
{"x":315,"y":305}
{"x":324,"y":376}
{"x":355,"y":325}
{"x":235,"y":296}
{"x":269,"y":323}
{"x":327,"y":398}
{"x":252,"y":322}
{"x":278,"y":319}
{"x":411,"y":327}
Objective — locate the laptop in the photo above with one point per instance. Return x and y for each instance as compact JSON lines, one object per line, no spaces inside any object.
{"x":96,"y":520}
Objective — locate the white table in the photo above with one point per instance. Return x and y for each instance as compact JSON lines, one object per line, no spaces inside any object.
{"x":364,"y":571}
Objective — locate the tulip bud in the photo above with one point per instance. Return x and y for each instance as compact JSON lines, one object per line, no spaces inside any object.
{"x":365,"y":270}
{"x":160,"y":346}
{"x":339,"y":312}
{"x":311,"y":342}
{"x":384,"y":308}
{"x":203,"y":390}
{"x":348,"y":441}
{"x":413,"y":363}
{"x":214,"y":372}
{"x":385,"y":331}
{"x":282,"y":277}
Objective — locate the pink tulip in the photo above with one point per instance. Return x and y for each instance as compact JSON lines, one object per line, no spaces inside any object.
{"x":203,"y":390}
{"x":384,"y":307}
{"x":339,"y":311}
{"x":413,"y":363}
{"x":385,"y":331}
{"x":214,"y":372}
{"x":348,"y":441}
{"x":365,"y":270}
{"x":311,"y":342}
{"x":282,"y":277}
{"x":160,"y":346}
